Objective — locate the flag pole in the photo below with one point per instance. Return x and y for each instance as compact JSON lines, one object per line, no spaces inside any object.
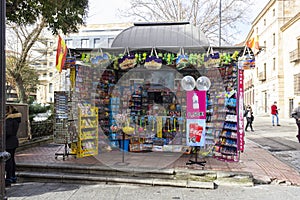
{"x":220,"y":21}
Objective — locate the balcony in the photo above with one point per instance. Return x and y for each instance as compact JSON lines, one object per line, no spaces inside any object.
{"x":261,"y":76}
{"x":295,"y":55}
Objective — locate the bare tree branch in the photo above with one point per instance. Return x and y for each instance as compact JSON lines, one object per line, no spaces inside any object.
{"x":201,"y":13}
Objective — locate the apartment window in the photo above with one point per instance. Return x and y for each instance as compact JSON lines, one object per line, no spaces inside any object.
{"x":274,"y":39}
{"x":274,"y":12}
{"x":274,"y":64}
{"x":97,"y":43}
{"x":50,"y":74}
{"x":110,"y":41}
{"x":50,"y":87}
{"x":84,"y":43}
{"x":265,"y":71}
{"x":265,"y":44}
{"x":265,"y":22}
{"x":50,"y":44}
{"x":69,"y":43}
{"x":297,"y":84}
{"x":44,"y":74}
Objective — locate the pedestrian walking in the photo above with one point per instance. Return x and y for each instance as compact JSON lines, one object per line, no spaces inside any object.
{"x":12,"y":119}
{"x":296,"y":114}
{"x":274,"y":113}
{"x":249,"y":117}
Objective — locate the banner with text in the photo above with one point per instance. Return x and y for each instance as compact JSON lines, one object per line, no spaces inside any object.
{"x":195,"y":118}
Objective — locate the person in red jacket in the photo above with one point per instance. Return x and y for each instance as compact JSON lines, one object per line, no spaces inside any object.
{"x":274,"y":113}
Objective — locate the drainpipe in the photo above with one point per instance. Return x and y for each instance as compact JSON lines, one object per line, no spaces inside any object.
{"x":3,"y":155}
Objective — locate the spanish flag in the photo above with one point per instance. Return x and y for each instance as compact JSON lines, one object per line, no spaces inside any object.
{"x":61,"y":54}
{"x":253,"y":45}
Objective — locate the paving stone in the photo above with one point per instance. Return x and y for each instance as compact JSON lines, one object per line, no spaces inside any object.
{"x":255,"y":159}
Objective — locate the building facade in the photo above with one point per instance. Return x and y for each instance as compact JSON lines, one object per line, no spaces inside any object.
{"x":272,"y":79}
{"x":95,"y":35}
{"x":89,"y":36}
{"x":45,"y":66}
{"x":291,"y":60}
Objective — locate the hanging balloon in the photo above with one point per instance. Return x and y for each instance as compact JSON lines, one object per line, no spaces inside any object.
{"x":188,"y":83}
{"x":203,"y":83}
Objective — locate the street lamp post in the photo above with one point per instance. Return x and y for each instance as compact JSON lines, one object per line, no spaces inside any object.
{"x":3,"y":155}
{"x":220,"y":21}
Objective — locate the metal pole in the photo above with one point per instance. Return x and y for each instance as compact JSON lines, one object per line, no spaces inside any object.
{"x":3,"y":155}
{"x":220,"y":21}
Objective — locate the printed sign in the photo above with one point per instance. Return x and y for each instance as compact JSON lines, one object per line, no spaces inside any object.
{"x":195,"y":118}
{"x":241,"y":133}
{"x":195,"y":132}
{"x":196,"y":105}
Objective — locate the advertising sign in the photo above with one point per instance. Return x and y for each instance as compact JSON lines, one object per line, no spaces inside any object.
{"x":241,"y":133}
{"x":196,"y":118}
{"x":196,"y":105}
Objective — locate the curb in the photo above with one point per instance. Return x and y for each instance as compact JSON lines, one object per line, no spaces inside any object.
{"x":164,"y":177}
{"x":85,"y":179}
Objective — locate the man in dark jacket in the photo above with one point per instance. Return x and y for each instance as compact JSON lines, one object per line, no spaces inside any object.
{"x":12,"y":119}
{"x":296,"y":114}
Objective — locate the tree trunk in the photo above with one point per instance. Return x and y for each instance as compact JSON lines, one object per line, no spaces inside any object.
{"x":21,"y":90}
{"x":27,"y":42}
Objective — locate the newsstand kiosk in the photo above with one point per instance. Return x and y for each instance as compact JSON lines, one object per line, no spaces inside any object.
{"x":157,"y":99}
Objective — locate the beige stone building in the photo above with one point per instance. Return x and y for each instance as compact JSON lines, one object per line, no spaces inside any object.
{"x":276,"y":76}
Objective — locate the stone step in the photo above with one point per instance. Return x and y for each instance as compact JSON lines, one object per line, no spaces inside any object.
{"x":167,"y":177}
{"x":93,"y":179}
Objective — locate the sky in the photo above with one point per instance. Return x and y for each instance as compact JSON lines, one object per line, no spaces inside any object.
{"x":102,"y":13}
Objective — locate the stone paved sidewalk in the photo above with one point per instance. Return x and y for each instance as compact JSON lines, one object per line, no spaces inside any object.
{"x":264,"y":166}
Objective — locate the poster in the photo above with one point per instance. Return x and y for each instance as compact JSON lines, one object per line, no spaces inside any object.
{"x":196,"y":105}
{"x":195,"y":118}
{"x":195,"y":132}
{"x":241,"y":133}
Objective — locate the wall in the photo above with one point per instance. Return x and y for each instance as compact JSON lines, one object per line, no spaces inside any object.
{"x":291,"y":33}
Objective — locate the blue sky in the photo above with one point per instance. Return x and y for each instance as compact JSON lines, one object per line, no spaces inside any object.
{"x":102,"y":13}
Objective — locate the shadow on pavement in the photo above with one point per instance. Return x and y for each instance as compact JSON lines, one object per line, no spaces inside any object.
{"x":36,"y":189}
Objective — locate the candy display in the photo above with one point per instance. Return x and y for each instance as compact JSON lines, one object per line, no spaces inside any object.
{"x":152,"y":100}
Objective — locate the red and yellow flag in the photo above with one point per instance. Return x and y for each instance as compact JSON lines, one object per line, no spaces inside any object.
{"x":253,"y":45}
{"x":61,"y":54}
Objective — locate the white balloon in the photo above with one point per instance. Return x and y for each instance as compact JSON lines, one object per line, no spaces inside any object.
{"x":203,"y":83}
{"x":188,"y":83}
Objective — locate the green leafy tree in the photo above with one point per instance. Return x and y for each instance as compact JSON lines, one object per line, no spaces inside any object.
{"x":26,"y":21}
{"x":58,"y":15}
